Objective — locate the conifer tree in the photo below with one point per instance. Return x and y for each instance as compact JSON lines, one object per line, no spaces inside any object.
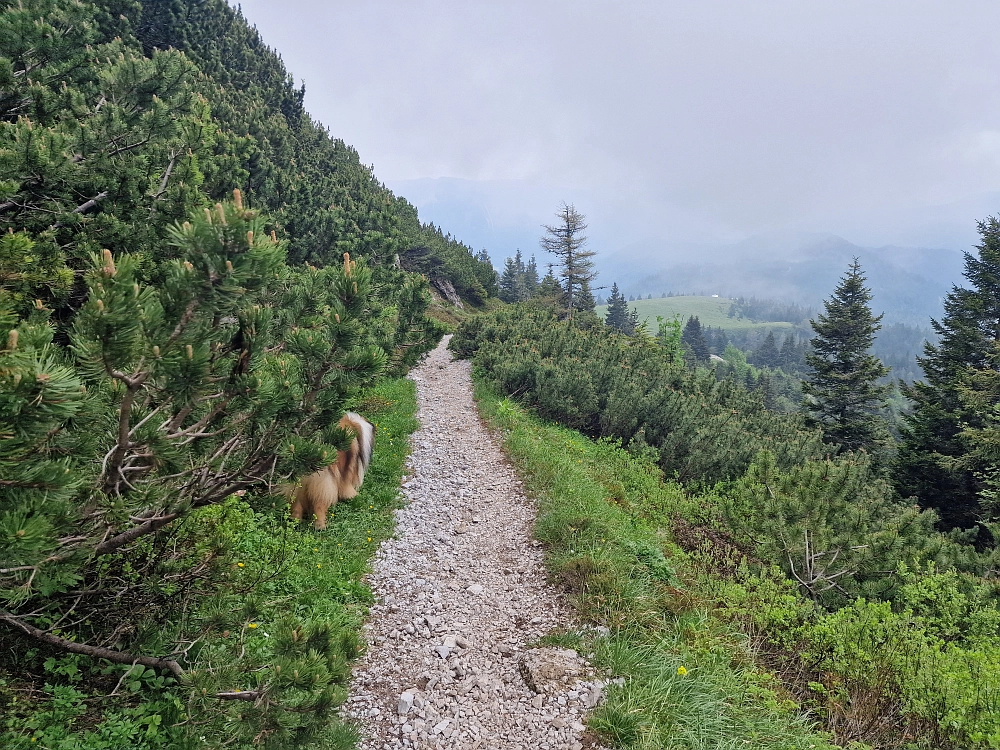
{"x":549,"y":287}
{"x":936,"y":463}
{"x":531,"y":280}
{"x":788,"y":358}
{"x":767,"y":355}
{"x":843,"y":395}
{"x":617,"y":314}
{"x":566,"y":240}
{"x":694,"y":341}
{"x":512,"y":280}
{"x":230,"y":374}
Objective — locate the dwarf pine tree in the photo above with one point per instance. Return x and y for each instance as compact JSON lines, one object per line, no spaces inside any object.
{"x":843,"y":395}
{"x":230,"y":374}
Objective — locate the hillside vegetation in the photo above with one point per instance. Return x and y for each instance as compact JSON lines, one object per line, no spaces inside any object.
{"x":881,"y":627}
{"x":198,"y":279}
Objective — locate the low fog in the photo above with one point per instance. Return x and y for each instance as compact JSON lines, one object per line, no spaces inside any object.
{"x":688,"y":133}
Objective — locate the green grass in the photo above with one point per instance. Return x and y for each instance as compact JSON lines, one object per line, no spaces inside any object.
{"x":711,"y":311}
{"x":689,"y":678}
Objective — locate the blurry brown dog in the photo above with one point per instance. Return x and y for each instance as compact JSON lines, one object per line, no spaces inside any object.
{"x":320,"y":491}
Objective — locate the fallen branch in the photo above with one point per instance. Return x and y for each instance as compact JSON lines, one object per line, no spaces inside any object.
{"x":119,"y":541}
{"x":117,"y":657}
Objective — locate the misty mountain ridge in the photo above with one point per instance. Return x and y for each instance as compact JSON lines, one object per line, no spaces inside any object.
{"x":908,"y":284}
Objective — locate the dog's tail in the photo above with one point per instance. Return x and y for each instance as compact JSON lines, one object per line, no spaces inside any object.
{"x":359,"y":456}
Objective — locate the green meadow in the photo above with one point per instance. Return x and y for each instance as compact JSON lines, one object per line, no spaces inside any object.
{"x":711,"y":311}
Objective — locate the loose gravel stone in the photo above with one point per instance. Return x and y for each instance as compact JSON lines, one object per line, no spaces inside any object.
{"x":461,"y":594}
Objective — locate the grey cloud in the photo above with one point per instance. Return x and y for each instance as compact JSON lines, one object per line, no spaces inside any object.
{"x":876,"y":120}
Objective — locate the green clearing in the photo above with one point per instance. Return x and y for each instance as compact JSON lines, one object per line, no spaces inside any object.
{"x":690,"y":679}
{"x":711,"y":311}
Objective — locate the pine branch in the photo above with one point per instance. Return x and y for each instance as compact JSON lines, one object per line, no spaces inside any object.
{"x":147,"y":527}
{"x":163,"y":183}
{"x":239,"y":695}
{"x":117,"y":657}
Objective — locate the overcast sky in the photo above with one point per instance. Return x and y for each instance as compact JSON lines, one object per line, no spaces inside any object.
{"x":694,"y":121}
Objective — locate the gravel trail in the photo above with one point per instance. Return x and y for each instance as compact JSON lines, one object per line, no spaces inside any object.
{"x":461,"y":594}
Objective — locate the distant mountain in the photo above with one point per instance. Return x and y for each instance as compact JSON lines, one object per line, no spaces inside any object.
{"x":908,"y":284}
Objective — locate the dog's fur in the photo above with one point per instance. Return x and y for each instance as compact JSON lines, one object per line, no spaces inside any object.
{"x":320,"y":491}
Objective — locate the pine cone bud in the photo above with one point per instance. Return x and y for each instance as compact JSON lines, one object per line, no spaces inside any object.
{"x":221,"y":211}
{"x":337,"y":316}
{"x":229,"y":263}
{"x":109,"y":263}
{"x":250,"y":237}
{"x":12,"y":339}
{"x":347,"y":264}
{"x":238,"y":198}
{"x":190,"y":351}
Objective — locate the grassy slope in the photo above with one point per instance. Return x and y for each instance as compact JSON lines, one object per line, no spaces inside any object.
{"x":278,"y":569}
{"x":711,"y":311}
{"x":690,"y":679}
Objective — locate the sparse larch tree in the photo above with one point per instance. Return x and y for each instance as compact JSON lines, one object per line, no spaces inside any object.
{"x":566,"y":240}
{"x":842,"y":392}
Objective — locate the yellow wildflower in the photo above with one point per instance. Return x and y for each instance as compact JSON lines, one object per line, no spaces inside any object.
{"x":681,"y":671}
{"x":239,"y":565}
{"x":251,"y":625}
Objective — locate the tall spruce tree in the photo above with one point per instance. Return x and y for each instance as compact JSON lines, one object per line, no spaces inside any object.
{"x":694,"y":340}
{"x":937,"y":464}
{"x":842,"y":392}
{"x":767,"y":354}
{"x":531,"y":277}
{"x":512,"y":280}
{"x":567,"y":241}
{"x":617,"y":313}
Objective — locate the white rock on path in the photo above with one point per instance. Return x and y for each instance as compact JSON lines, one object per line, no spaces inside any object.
{"x":461,"y":594}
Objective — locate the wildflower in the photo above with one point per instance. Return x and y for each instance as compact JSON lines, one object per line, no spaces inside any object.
{"x":319,"y":565}
{"x":315,"y":549}
{"x":369,"y":539}
{"x":681,"y":671}
{"x":251,"y":625}
{"x":239,"y":565}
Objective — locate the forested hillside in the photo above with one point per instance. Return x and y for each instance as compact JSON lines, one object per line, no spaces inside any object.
{"x":197,"y":280}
